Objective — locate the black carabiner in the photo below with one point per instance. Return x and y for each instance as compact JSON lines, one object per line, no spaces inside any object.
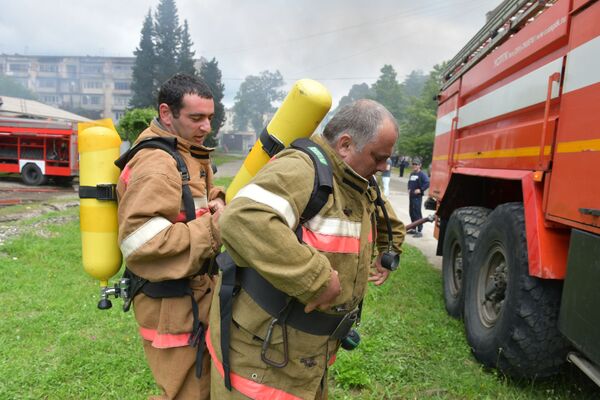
{"x":267,"y":342}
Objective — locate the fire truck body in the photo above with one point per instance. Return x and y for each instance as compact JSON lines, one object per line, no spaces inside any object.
{"x":515,"y":179}
{"x":38,"y":150}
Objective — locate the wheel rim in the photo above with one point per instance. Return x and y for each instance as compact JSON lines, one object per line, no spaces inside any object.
{"x":457,"y":269}
{"x":491,"y":287}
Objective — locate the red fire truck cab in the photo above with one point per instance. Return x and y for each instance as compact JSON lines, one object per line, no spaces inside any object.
{"x":516,"y":184}
{"x":38,"y":150}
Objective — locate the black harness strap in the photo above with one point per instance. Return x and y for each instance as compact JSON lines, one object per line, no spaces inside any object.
{"x":170,"y":146}
{"x":228,"y":267}
{"x":270,"y":144}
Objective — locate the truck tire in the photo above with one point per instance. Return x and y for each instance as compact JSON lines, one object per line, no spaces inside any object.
{"x":461,"y":234}
{"x":32,"y":175}
{"x":510,"y":317}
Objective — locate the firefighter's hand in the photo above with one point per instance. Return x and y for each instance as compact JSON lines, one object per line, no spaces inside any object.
{"x":216,"y":207}
{"x":378,"y":274}
{"x":325,"y":300}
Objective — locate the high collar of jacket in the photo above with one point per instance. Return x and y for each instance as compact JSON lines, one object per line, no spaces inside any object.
{"x":157,"y":129}
{"x":349,"y":177}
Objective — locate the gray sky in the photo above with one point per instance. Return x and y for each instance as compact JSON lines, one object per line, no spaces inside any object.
{"x":338,"y":42}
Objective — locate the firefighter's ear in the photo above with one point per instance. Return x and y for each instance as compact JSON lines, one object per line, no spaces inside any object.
{"x":164,"y":114}
{"x":344,"y":145}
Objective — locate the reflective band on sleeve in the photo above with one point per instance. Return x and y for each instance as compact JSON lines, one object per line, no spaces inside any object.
{"x":276,"y":202}
{"x":247,"y":387}
{"x":143,"y":234}
{"x":330,"y":243}
{"x":334,"y":226}
{"x":165,"y":340}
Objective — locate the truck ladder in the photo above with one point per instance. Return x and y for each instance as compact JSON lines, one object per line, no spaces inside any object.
{"x":508,"y":18}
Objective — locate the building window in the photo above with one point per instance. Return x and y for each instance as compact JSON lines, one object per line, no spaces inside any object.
{"x":91,"y":100}
{"x":121,"y":68}
{"x":51,"y":99}
{"x":71,"y":70}
{"x":122,"y":85}
{"x":18,"y":67}
{"x":46,"y":83}
{"x":91,"y":68}
{"x":119,"y":115}
{"x":92,"y":84}
{"x":48,"y":68}
{"x":121,"y":100}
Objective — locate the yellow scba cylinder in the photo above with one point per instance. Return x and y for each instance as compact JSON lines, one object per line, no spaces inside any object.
{"x":298,"y":116}
{"x":99,"y":145}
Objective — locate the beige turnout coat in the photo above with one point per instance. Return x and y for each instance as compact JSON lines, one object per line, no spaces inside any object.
{"x":158,"y":244}
{"x":257,"y":229}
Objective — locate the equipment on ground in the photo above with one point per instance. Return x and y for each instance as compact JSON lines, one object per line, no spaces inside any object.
{"x":514,"y":178}
{"x":298,"y":116}
{"x":39,"y":150}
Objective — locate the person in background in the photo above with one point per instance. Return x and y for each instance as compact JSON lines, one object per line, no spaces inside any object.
{"x":386,"y":176}
{"x":418,"y":183}
{"x":403,"y":164}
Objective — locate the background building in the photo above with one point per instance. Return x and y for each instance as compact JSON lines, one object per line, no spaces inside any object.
{"x":98,"y":87}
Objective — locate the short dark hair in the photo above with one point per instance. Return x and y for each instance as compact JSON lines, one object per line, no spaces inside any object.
{"x":176,"y":87}
{"x":361,"y":120}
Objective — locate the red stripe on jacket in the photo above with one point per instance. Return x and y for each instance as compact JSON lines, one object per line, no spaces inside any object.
{"x":332,"y":243}
{"x":247,"y":387}
{"x":165,"y":340}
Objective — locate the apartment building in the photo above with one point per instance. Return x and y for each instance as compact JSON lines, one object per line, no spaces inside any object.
{"x":100,"y":84}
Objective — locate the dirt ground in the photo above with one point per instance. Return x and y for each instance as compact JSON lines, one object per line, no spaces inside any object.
{"x":19,"y":202}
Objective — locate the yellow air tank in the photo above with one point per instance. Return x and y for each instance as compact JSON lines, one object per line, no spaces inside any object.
{"x":298,"y":116}
{"x":99,"y":145}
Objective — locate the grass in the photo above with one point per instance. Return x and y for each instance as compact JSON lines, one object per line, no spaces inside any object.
{"x":219,"y":158}
{"x":55,"y":343}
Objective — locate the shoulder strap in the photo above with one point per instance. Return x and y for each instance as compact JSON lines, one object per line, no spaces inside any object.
{"x":170,"y":146}
{"x":323,"y":186}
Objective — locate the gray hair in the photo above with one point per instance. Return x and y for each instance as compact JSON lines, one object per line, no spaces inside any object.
{"x":361,"y":119}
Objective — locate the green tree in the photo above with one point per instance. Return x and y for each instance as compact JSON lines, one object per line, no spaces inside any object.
{"x":167,"y":40}
{"x":11,"y":88}
{"x":358,"y":91}
{"x":134,"y":122}
{"x":255,"y":99}
{"x":211,"y":74}
{"x":185,"y":57}
{"x":413,"y":83}
{"x":143,"y":82}
{"x":417,"y":127}
{"x":388,"y":91}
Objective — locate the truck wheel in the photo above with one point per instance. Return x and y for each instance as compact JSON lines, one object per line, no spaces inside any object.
{"x":459,"y":242}
{"x":32,"y":175}
{"x":511,"y":317}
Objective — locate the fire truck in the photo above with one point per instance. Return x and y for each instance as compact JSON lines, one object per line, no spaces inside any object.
{"x":39,"y":150}
{"x":516,"y":185}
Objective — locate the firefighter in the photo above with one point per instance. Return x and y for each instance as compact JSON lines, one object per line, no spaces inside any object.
{"x":166,"y":242}
{"x":324,"y":277}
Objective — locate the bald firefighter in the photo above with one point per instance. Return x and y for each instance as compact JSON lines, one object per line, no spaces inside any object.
{"x":300,"y":282}
{"x":168,"y":233}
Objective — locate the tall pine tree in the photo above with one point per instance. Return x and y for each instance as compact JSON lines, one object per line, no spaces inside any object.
{"x":185,"y":58}
{"x":211,"y":74}
{"x":143,"y":80}
{"x":167,"y":40}
{"x":388,"y":91}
